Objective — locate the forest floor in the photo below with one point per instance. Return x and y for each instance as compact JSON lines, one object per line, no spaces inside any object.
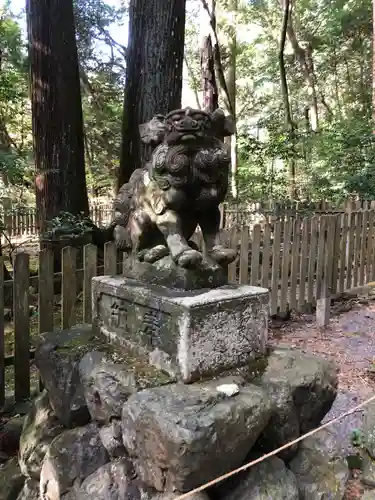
{"x":349,"y":340}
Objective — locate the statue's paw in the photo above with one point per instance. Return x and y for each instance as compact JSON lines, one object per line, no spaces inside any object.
{"x":121,"y":237}
{"x":189,"y":258}
{"x":223,"y":256}
{"x":153,"y":254}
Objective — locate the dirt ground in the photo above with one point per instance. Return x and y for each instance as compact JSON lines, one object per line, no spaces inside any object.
{"x":349,"y":341}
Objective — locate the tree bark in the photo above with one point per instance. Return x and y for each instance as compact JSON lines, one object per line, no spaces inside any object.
{"x":153,"y":72}
{"x":210,"y":90}
{"x":305,"y":59}
{"x":7,"y":275}
{"x":285,"y":95}
{"x":56,"y":110}
{"x":373,"y":65}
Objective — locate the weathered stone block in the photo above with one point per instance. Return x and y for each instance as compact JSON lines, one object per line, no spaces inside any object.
{"x":181,"y":436}
{"x":57,"y":358}
{"x":165,"y":272}
{"x":106,"y":385}
{"x":109,"y":482}
{"x":369,"y":428}
{"x":40,"y":428}
{"x":189,"y":334}
{"x":71,"y":457}
{"x":111,"y":436}
{"x":319,"y":472}
{"x":302,"y":388}
{"x":30,"y":491}
{"x":11,"y":480}
{"x":267,"y":480}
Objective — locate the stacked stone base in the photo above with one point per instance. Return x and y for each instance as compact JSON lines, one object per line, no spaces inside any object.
{"x":109,"y":427}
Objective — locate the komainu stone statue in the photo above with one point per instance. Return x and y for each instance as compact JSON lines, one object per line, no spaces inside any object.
{"x":181,"y":187}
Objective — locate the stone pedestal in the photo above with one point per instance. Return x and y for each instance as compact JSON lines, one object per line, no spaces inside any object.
{"x":189,"y":334}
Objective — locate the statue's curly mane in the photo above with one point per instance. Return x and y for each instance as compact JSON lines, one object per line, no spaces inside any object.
{"x":124,"y":202}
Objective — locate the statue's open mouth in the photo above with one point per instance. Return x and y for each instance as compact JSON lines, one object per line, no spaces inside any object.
{"x":188,"y":137}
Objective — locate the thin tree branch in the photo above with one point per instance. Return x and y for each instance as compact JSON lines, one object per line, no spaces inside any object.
{"x":217,"y":56}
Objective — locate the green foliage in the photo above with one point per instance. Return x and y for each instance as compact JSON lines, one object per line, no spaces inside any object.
{"x":102,"y":107}
{"x":15,"y":119}
{"x":93,"y":19}
{"x":357,"y":438}
{"x":68,"y":224}
{"x":336,"y":161}
{"x":103,"y":79}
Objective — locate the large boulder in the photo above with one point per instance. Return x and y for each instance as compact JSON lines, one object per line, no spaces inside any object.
{"x":116,"y":481}
{"x":181,"y":436}
{"x":320,"y":473}
{"x":11,"y":480}
{"x":10,"y":437}
{"x":267,"y":480}
{"x":110,"y":482}
{"x":302,"y":389}
{"x":111,"y":436}
{"x":40,"y":427}
{"x":342,"y":430}
{"x":71,"y":457}
{"x":30,"y":490}
{"x":106,"y":385}
{"x":173,"y":496}
{"x":57,"y":358}
{"x":369,"y":428}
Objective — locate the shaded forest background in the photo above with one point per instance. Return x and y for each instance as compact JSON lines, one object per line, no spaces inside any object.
{"x":297,"y":76}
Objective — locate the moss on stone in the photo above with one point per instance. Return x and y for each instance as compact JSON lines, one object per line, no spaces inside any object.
{"x":80,"y":343}
{"x":249,"y":372}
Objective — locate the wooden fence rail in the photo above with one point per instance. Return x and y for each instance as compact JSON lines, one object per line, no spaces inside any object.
{"x":298,"y":259}
{"x":22,"y":223}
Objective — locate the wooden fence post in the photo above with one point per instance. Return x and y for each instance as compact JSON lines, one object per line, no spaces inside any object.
{"x":303,"y":274}
{"x":295,"y":264}
{"x":2,"y":347}
{"x":285,"y":266}
{"x":45,"y":291}
{"x":68,"y":287}
{"x":89,"y":271}
{"x":255,"y":253}
{"x":21,"y":327}
{"x":275,"y":267}
{"x":244,"y":256}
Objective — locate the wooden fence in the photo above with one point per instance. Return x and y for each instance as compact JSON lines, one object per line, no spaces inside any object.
{"x":299,"y":260}
{"x":21,"y":223}
{"x":270,"y":211}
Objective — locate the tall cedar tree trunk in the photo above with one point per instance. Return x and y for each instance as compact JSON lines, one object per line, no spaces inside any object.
{"x":229,"y":89}
{"x":56,"y":110}
{"x":210,"y":90}
{"x":153,"y":72}
{"x":285,"y":95}
{"x":373,"y":65}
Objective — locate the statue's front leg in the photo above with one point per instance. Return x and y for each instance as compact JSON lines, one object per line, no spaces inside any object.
{"x":209,"y":222}
{"x":169,"y":224}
